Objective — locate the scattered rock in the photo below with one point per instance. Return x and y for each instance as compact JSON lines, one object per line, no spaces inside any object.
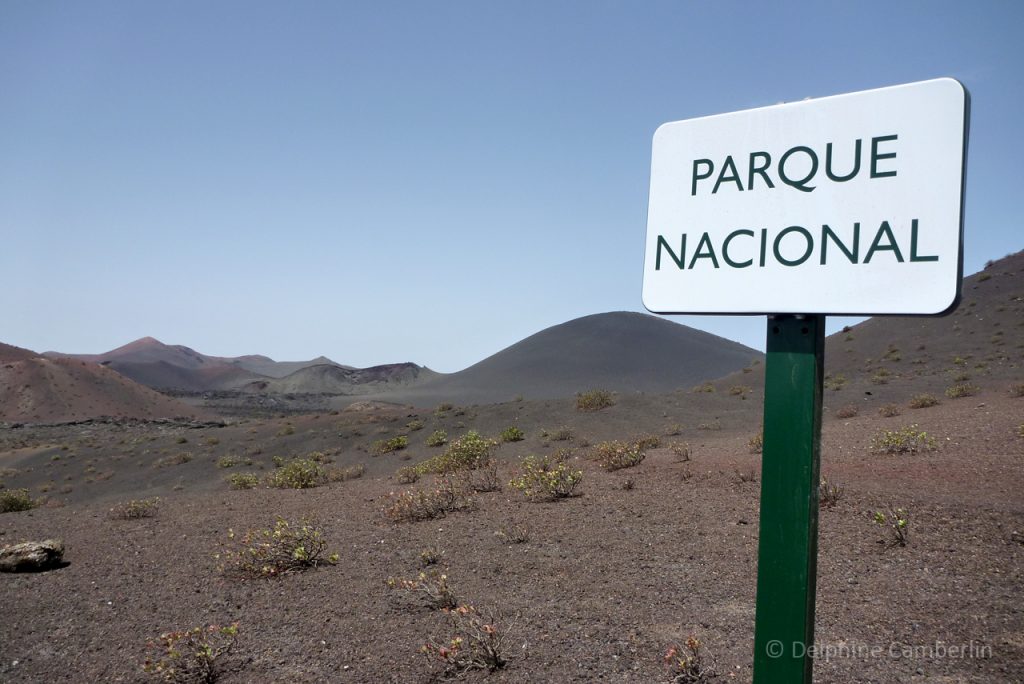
{"x":32,"y":556}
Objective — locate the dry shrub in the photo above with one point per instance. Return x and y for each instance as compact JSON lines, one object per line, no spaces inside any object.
{"x":905,"y":440}
{"x":889,"y":411}
{"x":476,"y":644}
{"x":136,"y":508}
{"x":431,"y":555}
{"x":343,"y":474}
{"x":685,"y":664}
{"x":546,"y":478}
{"x":407,"y":475}
{"x":617,"y":455}
{"x":430,"y":590}
{"x":192,"y":655}
{"x":681,"y":450}
{"x":961,"y":390}
{"x":594,"y":400}
{"x":848,"y":411}
{"x":447,"y":496}
{"x":516,"y":533}
{"x":924,"y":400}
{"x":829,"y":493}
{"x":290,"y":546}
{"x":756,"y":443}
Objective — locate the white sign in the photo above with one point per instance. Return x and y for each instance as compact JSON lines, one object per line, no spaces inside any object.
{"x":851,"y":204}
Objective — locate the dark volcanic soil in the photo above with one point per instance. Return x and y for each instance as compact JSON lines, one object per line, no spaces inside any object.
{"x":607,"y":581}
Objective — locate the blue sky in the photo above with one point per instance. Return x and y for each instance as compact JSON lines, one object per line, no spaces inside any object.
{"x":385,"y":181}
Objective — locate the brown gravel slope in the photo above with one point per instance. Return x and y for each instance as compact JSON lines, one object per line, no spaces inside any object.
{"x":605,"y":583}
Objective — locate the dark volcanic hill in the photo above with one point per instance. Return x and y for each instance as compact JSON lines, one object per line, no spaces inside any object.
{"x":331,"y":379}
{"x":620,"y":351}
{"x":36,"y":389}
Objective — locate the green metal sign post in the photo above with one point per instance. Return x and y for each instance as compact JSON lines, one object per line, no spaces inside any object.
{"x":788,"y":543}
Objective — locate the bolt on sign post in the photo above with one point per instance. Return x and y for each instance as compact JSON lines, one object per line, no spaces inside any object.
{"x":851,"y":205}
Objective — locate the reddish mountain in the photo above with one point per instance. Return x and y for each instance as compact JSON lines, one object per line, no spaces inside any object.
{"x":37,"y":389}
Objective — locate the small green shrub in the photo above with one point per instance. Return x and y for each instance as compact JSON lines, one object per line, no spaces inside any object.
{"x":442,"y":409}
{"x":468,"y":452}
{"x":738,"y":390}
{"x":512,"y":434}
{"x":437,"y":438}
{"x":594,"y":400}
{"x":414,"y":425}
{"x":544,"y":478}
{"x":897,"y":522}
{"x":430,"y":590}
{"x":386,"y":446}
{"x":191,"y":656}
{"x":704,"y":388}
{"x":243,"y":480}
{"x":291,"y":546}
{"x":287,"y":429}
{"x":298,"y":473}
{"x":14,"y":500}
{"x":925,"y":400}
{"x":961,"y":390}
{"x":673,"y":430}
{"x":616,"y":455}
{"x":136,"y":508}
{"x":227,"y":461}
{"x":905,"y":440}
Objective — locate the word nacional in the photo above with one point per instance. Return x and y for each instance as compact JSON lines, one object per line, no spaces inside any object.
{"x":799,"y":167}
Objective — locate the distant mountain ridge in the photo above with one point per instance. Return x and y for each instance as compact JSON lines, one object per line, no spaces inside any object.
{"x":154,"y":364}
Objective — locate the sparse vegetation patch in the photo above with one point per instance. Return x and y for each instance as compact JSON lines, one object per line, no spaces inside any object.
{"x":905,"y":440}
{"x":298,"y":473}
{"x":290,"y":546}
{"x":919,"y":401}
{"x":961,"y":390}
{"x":594,"y":400}
{"x":544,"y":478}
{"x":14,"y":500}
{"x":191,"y":656}
{"x":477,"y":644}
{"x":136,"y":508}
